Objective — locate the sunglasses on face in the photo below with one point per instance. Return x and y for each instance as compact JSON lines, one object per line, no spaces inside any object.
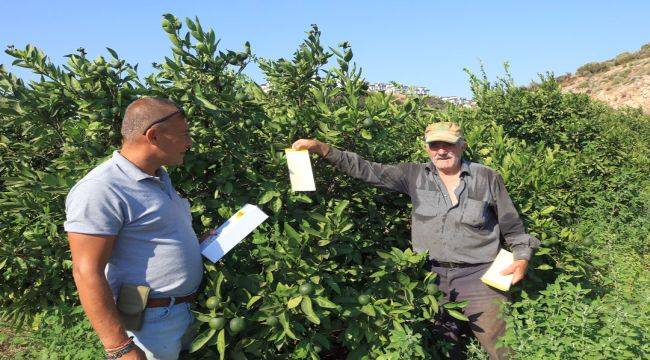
{"x":164,"y":118}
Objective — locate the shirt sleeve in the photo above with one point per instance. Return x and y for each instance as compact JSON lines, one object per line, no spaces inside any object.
{"x":512,"y":229}
{"x":392,"y":177}
{"x":92,"y":207}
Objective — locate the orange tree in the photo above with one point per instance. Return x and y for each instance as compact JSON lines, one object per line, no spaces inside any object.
{"x":330,"y":274}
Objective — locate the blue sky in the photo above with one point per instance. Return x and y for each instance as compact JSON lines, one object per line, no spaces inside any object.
{"x":424,"y":43}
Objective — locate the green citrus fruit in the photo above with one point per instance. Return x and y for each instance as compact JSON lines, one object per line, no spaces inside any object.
{"x":212,"y":302}
{"x":237,"y":324}
{"x":306,"y":289}
{"x":217,"y":323}
{"x":363,"y":299}
{"x":368,"y":122}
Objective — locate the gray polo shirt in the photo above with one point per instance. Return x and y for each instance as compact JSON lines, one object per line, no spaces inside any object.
{"x":156,"y":245}
{"x":468,"y":232}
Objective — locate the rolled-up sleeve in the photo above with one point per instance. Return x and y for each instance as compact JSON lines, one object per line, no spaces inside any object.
{"x":521,"y":244}
{"x":392,"y":177}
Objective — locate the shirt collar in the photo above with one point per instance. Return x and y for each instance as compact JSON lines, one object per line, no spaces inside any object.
{"x":132,"y":170}
{"x":464,"y":167}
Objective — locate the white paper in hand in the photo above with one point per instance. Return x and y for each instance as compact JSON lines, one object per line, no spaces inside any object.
{"x":493,"y":275}
{"x":300,"y":174}
{"x":232,"y":232}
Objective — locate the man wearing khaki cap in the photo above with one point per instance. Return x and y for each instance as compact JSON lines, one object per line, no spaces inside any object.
{"x":461,"y":211}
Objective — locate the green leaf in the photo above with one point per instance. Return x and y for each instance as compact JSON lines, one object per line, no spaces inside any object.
{"x":113,"y":53}
{"x":545,"y":267}
{"x":252,"y":301}
{"x":206,"y":103}
{"x":368,"y":309}
{"x":318,"y":217}
{"x":547,"y":210}
{"x":221,"y":344}
{"x":285,"y":326}
{"x":292,"y":303}
{"x":200,"y":340}
{"x":455,"y":304}
{"x":325,"y":303}
{"x":458,"y":315}
{"x":203,"y":317}
{"x":267,"y":196}
{"x":291,"y":232}
{"x":366,"y":135}
{"x":307,"y":309}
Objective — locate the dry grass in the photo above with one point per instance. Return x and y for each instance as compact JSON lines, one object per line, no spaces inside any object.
{"x":620,"y":86}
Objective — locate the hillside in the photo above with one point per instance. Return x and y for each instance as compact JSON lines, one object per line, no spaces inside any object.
{"x":621,"y":81}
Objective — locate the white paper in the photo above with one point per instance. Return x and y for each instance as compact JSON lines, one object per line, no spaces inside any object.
{"x":300,"y":173}
{"x":493,"y":275}
{"x":232,"y":232}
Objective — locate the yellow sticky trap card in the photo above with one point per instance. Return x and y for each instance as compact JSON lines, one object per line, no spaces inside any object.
{"x":300,"y":172}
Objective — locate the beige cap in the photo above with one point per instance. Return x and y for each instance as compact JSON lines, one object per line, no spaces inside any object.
{"x":443,"y":131}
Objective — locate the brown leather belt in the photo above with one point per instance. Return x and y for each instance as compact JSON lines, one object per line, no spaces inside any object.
{"x":163,"y":302}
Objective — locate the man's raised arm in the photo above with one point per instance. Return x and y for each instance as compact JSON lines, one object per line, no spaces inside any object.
{"x":393,"y":177}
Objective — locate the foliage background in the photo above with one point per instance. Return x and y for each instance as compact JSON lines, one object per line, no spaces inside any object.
{"x":576,"y":170}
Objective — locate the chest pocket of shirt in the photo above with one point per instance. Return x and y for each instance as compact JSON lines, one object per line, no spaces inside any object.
{"x":426,"y":202}
{"x":474,"y":212}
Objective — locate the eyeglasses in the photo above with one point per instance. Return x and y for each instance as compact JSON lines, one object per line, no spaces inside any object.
{"x":166,"y":117}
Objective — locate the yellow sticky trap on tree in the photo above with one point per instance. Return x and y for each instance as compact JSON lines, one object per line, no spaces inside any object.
{"x":300,"y":173}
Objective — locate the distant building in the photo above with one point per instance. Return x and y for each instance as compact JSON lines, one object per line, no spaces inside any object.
{"x":265,"y":87}
{"x":458,"y":101}
{"x":395,"y":88}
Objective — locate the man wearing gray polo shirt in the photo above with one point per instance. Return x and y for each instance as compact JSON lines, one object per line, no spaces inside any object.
{"x":461,"y":211}
{"x":128,"y":226}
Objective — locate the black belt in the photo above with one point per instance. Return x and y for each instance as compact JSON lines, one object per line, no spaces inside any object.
{"x":164,"y":302}
{"x":452,"y":264}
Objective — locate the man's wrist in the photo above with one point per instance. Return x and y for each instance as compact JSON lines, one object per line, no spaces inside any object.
{"x":323,"y":149}
{"x":522,"y":253}
{"x":122,"y":350}
{"x":117,"y":342}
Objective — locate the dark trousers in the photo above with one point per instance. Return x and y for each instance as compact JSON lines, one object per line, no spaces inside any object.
{"x":485,"y":323}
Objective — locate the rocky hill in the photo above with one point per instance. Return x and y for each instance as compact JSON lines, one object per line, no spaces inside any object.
{"x":621,"y":81}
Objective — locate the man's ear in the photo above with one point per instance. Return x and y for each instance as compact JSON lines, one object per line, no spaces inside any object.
{"x":152,"y":135}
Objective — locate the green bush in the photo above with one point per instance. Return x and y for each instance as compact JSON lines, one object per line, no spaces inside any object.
{"x":563,"y":164}
{"x":593,"y":68}
{"x":564,"y":323}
